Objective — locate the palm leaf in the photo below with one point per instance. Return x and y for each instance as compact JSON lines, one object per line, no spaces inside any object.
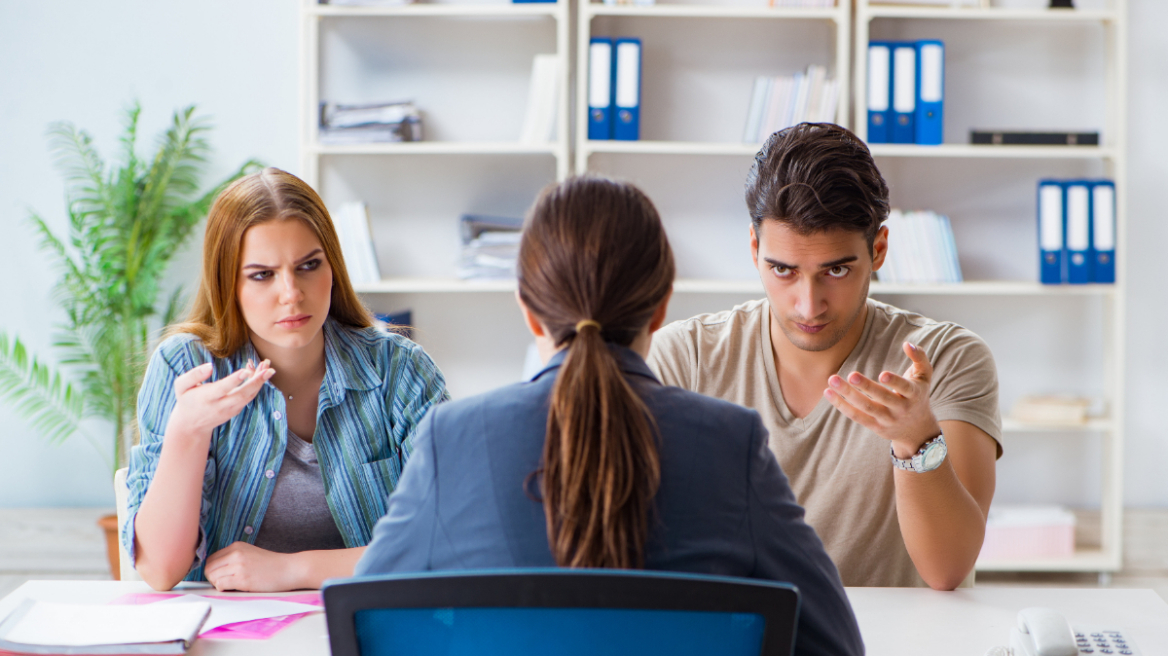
{"x":39,"y":394}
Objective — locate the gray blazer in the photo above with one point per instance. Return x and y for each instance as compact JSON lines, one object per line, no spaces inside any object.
{"x":467,"y":498}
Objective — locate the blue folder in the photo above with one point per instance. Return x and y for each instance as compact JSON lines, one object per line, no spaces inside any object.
{"x":1103,"y":231}
{"x":930,"y":92}
{"x":600,"y":74}
{"x":879,"y":92}
{"x":1077,"y":210}
{"x":626,"y":85}
{"x":1050,"y":232}
{"x":904,"y":92}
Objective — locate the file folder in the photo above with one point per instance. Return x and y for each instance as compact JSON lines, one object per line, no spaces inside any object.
{"x":1078,"y":239}
{"x":931,"y":92}
{"x":904,"y":93}
{"x":626,"y":118}
{"x":1103,"y":230}
{"x":879,"y":92}
{"x":600,"y":73}
{"x":1050,"y":232}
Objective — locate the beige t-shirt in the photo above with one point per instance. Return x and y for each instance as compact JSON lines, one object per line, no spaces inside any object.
{"x":840,"y":471}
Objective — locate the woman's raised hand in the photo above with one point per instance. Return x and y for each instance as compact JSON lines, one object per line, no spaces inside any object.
{"x":200,"y":406}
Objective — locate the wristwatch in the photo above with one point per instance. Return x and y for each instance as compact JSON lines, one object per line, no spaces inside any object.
{"x":930,"y":457}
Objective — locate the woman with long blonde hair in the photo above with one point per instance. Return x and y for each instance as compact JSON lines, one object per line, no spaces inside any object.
{"x":277,"y":419}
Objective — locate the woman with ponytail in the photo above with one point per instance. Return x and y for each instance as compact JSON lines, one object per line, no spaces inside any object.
{"x":594,"y":463}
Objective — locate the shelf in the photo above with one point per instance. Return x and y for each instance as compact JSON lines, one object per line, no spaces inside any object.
{"x":1085,"y":560}
{"x":991,"y":288}
{"x":999,"y":13}
{"x":671,"y":148}
{"x":437,"y":148}
{"x":507,"y":10}
{"x":992,"y":152}
{"x":713,"y":11}
{"x":1092,"y":426}
{"x":434,"y":285}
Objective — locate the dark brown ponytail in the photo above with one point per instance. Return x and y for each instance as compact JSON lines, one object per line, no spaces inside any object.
{"x":594,"y":265}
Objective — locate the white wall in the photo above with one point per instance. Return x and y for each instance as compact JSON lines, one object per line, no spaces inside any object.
{"x":83,"y":61}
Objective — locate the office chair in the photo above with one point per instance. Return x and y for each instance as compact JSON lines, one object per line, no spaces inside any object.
{"x":560,"y":612}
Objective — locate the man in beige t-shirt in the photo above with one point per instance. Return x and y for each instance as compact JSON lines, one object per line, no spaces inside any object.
{"x":850,"y":389}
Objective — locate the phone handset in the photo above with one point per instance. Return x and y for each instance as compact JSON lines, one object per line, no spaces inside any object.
{"x":1042,"y":632}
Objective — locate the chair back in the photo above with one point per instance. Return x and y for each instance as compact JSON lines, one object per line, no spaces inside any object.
{"x":126,"y":569}
{"x":561,"y":612}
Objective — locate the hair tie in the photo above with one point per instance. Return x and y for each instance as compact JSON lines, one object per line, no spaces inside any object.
{"x":585,"y":323}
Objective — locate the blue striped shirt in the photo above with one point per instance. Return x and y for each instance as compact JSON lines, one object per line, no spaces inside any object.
{"x":377,"y":387}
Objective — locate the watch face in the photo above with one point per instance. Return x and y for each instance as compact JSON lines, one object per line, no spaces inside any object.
{"x":933,"y":456}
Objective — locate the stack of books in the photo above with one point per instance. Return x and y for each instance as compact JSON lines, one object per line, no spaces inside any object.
{"x":783,"y":101}
{"x":369,"y":123}
{"x":352,"y":224}
{"x":490,"y":246}
{"x":1028,"y":531}
{"x":539,"y":121}
{"x":921,"y":249}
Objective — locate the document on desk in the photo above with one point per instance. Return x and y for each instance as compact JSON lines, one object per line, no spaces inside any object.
{"x":42,"y":627}
{"x":232,"y":611}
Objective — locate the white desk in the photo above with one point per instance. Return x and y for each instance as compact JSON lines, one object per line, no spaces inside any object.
{"x":894,"y":621}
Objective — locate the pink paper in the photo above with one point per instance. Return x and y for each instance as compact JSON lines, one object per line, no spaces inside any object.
{"x":253,"y":630}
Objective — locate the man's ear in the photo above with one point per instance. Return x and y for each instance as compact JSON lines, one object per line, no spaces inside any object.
{"x":880,"y":248}
{"x":529,"y":318}
{"x":658,"y":318}
{"x":753,"y":246}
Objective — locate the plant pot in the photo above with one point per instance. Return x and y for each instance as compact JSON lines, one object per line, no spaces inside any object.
{"x":109,"y":523}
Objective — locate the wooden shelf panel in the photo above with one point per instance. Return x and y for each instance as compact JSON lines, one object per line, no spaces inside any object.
{"x":970,"y":151}
{"x":671,"y":148}
{"x":438,"y":148}
{"x":1085,"y":560}
{"x":505,"y":10}
{"x":993,"y":13}
{"x":714,"y":11}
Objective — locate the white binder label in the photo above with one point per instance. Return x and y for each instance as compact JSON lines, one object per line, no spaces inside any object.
{"x":600,"y":74}
{"x":1078,"y":218}
{"x":904,"y":80}
{"x":1104,"y":199}
{"x":1050,"y":218}
{"x":878,"y":70}
{"x":628,"y":72}
{"x":932,"y":72}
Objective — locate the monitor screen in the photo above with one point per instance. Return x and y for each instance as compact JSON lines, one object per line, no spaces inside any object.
{"x":561,"y":631}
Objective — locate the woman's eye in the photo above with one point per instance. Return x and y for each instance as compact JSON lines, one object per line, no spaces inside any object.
{"x":260,"y":276}
{"x":311,"y":265}
{"x":838,"y":271}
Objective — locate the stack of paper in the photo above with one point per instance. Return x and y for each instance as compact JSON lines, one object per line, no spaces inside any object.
{"x":490,"y":246}
{"x":539,"y":121}
{"x":921,"y":249}
{"x":42,"y":627}
{"x":1051,"y":410}
{"x":1028,"y":531}
{"x":352,"y":224}
{"x":373,"y":123}
{"x":783,"y":101}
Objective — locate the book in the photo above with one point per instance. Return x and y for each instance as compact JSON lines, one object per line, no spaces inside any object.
{"x":351,"y":221}
{"x":921,"y":249}
{"x":1008,"y":138}
{"x":44,"y":627}
{"x":1051,"y":410}
{"x":539,"y":119}
{"x":785,"y":100}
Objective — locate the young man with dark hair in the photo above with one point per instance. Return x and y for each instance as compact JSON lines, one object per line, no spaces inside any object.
{"x":841,"y":380}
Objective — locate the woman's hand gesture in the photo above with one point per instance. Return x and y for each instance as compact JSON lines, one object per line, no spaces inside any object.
{"x":200,"y":407}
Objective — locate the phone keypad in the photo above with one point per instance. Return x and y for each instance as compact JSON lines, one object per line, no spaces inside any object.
{"x":1105,"y":641}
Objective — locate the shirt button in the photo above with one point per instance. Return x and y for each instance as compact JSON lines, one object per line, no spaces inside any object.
{"x":249,"y":530}
{"x":277,"y":416}
{"x":269,"y":473}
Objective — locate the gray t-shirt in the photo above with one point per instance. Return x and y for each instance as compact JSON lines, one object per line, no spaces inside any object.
{"x":298,"y":517}
{"x":839,"y":470}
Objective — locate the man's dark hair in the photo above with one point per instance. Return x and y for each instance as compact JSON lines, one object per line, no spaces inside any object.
{"x":816,"y":177}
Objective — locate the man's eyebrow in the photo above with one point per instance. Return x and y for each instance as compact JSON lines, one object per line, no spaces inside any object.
{"x":825,"y":265}
{"x":266,"y":266}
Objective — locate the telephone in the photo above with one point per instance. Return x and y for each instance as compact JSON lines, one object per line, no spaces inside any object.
{"x":1044,"y":632}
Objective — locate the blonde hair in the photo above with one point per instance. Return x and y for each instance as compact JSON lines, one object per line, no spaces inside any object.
{"x":269,"y":195}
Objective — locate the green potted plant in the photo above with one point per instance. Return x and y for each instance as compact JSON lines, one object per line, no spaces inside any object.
{"x":126,"y":222}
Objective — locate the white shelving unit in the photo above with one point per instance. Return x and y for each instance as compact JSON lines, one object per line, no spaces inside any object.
{"x":1097,"y":32}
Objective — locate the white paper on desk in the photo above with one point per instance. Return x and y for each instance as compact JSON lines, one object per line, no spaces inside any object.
{"x":82,"y":625}
{"x":230,"y":611}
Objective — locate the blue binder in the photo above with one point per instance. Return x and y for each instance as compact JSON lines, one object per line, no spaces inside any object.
{"x":627,"y":90}
{"x":1050,"y":232}
{"x":930,"y":92}
{"x":904,"y":92}
{"x":1078,"y":231}
{"x":879,"y":92}
{"x":1103,"y":231}
{"x":600,"y":74}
